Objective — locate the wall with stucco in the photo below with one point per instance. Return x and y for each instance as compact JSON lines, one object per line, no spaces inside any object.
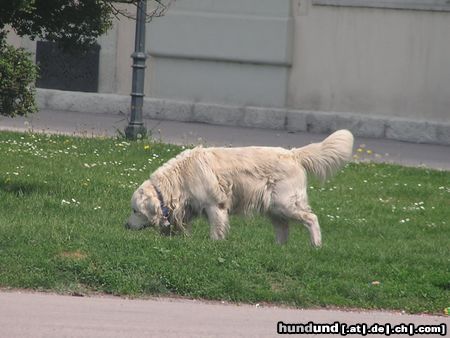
{"x":289,"y":54}
{"x":371,"y":61}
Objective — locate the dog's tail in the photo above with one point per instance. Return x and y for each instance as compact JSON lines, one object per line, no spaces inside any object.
{"x":325,"y":158}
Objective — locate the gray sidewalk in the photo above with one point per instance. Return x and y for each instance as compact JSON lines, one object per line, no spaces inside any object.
{"x":26,"y":314}
{"x":77,"y":123}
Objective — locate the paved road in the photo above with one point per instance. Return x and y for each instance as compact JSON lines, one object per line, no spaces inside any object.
{"x":433,"y":156}
{"x":47,"y":315}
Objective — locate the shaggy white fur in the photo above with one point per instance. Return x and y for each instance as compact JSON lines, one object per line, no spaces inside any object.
{"x":220,"y":181}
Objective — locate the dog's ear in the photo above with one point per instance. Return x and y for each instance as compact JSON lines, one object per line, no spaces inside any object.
{"x":152,"y":205}
{"x":144,"y":203}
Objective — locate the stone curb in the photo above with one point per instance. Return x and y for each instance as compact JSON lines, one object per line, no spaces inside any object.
{"x":258,"y":117}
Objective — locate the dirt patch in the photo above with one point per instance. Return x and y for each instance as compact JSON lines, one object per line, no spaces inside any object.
{"x":74,"y":255}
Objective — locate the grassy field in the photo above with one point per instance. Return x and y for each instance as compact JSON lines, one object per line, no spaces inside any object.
{"x":63,"y":202}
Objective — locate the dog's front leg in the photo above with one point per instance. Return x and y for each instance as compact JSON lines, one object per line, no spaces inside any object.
{"x":218,"y":220}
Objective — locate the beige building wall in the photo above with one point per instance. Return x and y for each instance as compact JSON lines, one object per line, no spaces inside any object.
{"x":125,"y":46}
{"x":289,"y":54}
{"x":371,"y":61}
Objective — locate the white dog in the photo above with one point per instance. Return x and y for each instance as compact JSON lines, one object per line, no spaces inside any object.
{"x":220,"y":181}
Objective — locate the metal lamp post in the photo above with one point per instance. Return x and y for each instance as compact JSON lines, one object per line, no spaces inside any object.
{"x":135,"y":128}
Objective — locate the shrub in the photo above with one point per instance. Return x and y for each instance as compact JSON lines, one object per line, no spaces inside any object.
{"x":17,"y":76}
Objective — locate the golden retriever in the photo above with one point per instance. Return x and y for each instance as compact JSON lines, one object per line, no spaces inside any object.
{"x":221,"y":181}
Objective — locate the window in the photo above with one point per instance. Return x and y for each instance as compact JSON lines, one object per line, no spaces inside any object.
{"x":427,"y":5}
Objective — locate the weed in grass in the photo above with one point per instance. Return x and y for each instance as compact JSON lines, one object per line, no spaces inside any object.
{"x":63,"y":202}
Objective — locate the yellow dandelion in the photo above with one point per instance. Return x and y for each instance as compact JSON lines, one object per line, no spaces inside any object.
{"x":359,"y":150}
{"x":369,"y":152}
{"x":146,"y":147}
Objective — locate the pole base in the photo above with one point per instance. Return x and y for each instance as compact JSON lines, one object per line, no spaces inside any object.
{"x":135,"y":131}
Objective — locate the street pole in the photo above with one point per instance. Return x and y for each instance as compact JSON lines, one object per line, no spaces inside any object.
{"x":135,"y":128}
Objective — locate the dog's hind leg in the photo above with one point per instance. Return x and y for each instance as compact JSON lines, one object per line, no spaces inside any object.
{"x":281,"y":227}
{"x":218,"y":220}
{"x":310,"y":221}
{"x":312,"y":224}
{"x":300,"y":212}
{"x":292,"y":204}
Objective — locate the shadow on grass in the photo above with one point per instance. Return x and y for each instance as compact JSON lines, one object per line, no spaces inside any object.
{"x":443,"y":285}
{"x":23,"y":188}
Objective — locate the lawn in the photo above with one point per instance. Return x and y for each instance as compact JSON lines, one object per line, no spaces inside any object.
{"x":63,"y":202}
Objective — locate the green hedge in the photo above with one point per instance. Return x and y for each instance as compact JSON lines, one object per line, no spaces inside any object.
{"x":17,"y":77}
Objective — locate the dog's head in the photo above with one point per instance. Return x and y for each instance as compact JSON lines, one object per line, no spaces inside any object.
{"x":145,"y":208}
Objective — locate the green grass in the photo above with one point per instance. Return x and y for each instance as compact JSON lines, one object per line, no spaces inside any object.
{"x":63,"y":202}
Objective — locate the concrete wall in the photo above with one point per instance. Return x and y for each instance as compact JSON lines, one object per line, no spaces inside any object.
{"x":323,"y":66}
{"x":227,"y":52}
{"x":371,"y":61}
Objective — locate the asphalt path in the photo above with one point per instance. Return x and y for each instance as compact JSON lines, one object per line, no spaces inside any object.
{"x":89,"y":124}
{"x":24,"y":314}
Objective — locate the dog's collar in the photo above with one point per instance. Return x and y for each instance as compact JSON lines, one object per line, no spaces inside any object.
{"x":164,"y":208}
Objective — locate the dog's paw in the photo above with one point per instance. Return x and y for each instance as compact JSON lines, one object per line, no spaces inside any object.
{"x":316,"y":243}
